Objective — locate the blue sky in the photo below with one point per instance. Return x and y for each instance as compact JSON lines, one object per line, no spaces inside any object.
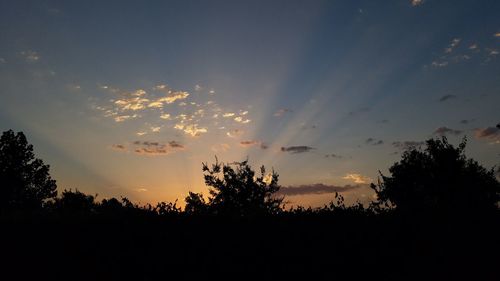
{"x":128,"y":98}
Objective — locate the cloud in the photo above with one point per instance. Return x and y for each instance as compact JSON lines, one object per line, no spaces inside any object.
{"x":30,"y":56}
{"x":446,"y":131}
{"x":141,"y":190}
{"x":119,"y":147}
{"x":317,"y":188}
{"x":497,"y":35}
{"x":373,"y":141}
{"x":467,"y":121}
{"x":191,"y":129}
{"x":490,"y":133}
{"x":297,"y":149}
{"x":153,"y":148}
{"x":165,"y":116}
{"x":227,"y":115}
{"x":240,"y":119}
{"x":416,"y":3}
{"x":235,"y":133}
{"x":121,"y":118}
{"x":155,"y":129}
{"x":282,"y":112}
{"x":439,"y":64}
{"x":357,"y":178}
{"x":250,"y":143}
{"x":405,"y":145}
{"x":454,"y":43}
{"x":334,"y":156}
{"x":447,"y":97}
{"x":132,"y":101}
{"x":173,"y":96}
{"x":473,"y":46}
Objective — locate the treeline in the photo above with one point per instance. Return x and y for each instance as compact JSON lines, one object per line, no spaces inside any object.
{"x":439,"y":179}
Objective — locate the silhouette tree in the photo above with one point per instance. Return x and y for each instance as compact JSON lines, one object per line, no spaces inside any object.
{"x":439,"y":179}
{"x":237,"y":191}
{"x":25,"y":183}
{"x":74,"y":203}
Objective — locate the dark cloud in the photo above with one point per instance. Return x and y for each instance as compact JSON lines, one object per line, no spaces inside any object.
{"x":446,"y":131}
{"x":250,"y":143}
{"x":318,"y":188}
{"x":447,"y":97}
{"x":118,"y":147}
{"x":282,"y":112}
{"x":334,"y":156}
{"x":297,"y":149}
{"x":151,"y":147}
{"x":373,"y":141}
{"x":175,"y":144}
{"x":467,"y":121}
{"x":489,"y":133}
{"x":407,"y":144}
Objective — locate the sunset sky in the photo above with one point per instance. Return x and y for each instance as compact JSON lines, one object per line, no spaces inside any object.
{"x":128,"y":98}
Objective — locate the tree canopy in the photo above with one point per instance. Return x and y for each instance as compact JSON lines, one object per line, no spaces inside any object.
{"x":25,"y":183}
{"x":237,"y":191}
{"x":438,"y":179}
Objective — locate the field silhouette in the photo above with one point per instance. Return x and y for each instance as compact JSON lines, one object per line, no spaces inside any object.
{"x":436,"y":217}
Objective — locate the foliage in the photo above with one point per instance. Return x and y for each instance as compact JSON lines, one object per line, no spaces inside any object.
{"x":438,"y":179}
{"x":25,"y":180}
{"x":237,"y":191}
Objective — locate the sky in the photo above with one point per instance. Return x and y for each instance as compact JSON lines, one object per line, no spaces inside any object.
{"x":128,"y":98}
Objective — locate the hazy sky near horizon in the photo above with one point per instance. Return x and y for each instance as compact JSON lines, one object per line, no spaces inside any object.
{"x":127,"y":98}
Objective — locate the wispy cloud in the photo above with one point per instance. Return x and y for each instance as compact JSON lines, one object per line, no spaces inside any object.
{"x":191,"y":129}
{"x":405,"y":145}
{"x":30,"y":56}
{"x":282,"y":112}
{"x":453,"y":44}
{"x":357,"y":178}
{"x":250,"y":143}
{"x":153,"y":148}
{"x":416,"y":3}
{"x":235,"y":133}
{"x":491,"y":134}
{"x":297,"y":149}
{"x":446,"y":131}
{"x":332,"y":155}
{"x":317,"y":188}
{"x":373,"y":141}
{"x":447,"y":97}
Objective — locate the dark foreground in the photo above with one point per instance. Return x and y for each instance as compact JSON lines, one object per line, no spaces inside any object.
{"x":316,"y":247}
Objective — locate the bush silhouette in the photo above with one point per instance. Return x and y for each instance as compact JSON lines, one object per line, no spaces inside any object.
{"x":25,"y":183}
{"x":439,"y":179}
{"x":237,"y":191}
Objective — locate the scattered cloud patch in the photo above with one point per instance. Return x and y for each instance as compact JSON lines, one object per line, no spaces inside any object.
{"x":442,"y":131}
{"x":191,"y":129}
{"x":453,"y":44}
{"x":30,"y":56}
{"x":317,"y":188}
{"x":467,"y":121}
{"x":357,"y":178}
{"x":153,"y":148}
{"x":372,"y":141}
{"x":297,"y":149}
{"x":119,"y":147}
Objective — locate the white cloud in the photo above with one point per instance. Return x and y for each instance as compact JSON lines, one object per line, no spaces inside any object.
{"x":357,"y":178}
{"x":30,"y":56}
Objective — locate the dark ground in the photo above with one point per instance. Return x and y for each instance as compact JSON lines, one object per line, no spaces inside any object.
{"x":316,"y":247}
